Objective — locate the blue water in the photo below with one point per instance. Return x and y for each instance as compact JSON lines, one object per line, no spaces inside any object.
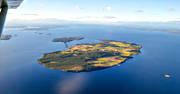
{"x":20,"y":73}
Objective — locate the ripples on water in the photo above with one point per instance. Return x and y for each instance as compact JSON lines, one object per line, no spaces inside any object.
{"x":20,"y":73}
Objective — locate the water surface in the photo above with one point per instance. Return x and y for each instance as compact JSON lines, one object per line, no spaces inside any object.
{"x":20,"y":73}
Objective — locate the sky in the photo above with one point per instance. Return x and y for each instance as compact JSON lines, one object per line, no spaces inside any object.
{"x":98,"y":10}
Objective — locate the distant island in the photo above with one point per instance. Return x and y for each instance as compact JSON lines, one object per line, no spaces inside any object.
{"x":91,"y":56}
{"x":6,"y":37}
{"x":65,"y":40}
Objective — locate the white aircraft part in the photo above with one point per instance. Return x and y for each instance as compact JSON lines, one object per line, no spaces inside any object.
{"x":13,"y":4}
{"x":4,"y":6}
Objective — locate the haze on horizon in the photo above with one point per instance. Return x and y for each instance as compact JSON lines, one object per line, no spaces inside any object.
{"x":98,"y":10}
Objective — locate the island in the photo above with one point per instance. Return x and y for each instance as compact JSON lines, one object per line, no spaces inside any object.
{"x":6,"y":37}
{"x":65,"y":40}
{"x":91,"y":56}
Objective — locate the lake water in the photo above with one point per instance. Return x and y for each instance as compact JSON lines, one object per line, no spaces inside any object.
{"x":20,"y":73}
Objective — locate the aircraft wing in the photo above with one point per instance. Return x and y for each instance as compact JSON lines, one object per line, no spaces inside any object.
{"x":4,"y":6}
{"x":12,"y":4}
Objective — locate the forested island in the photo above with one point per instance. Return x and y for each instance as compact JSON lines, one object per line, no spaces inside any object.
{"x":65,"y":40}
{"x":91,"y":56}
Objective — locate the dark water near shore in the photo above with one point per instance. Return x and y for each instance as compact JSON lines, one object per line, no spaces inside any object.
{"x":20,"y":73}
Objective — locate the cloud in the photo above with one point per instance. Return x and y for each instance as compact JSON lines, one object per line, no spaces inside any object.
{"x":11,"y":13}
{"x":170,"y":9}
{"x":76,"y":6}
{"x":109,"y":17}
{"x":140,"y":11}
{"x":30,"y":14}
{"x":72,"y":84}
{"x":100,"y":9}
{"x":41,"y":5}
{"x":108,"y":8}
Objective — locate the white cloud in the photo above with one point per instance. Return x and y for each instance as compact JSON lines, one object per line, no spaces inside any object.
{"x":140,"y":11}
{"x":72,"y":84}
{"x":109,"y":17}
{"x":100,"y":9}
{"x":170,"y":9}
{"x":109,"y":8}
{"x":106,"y":18}
{"x":76,"y":6}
